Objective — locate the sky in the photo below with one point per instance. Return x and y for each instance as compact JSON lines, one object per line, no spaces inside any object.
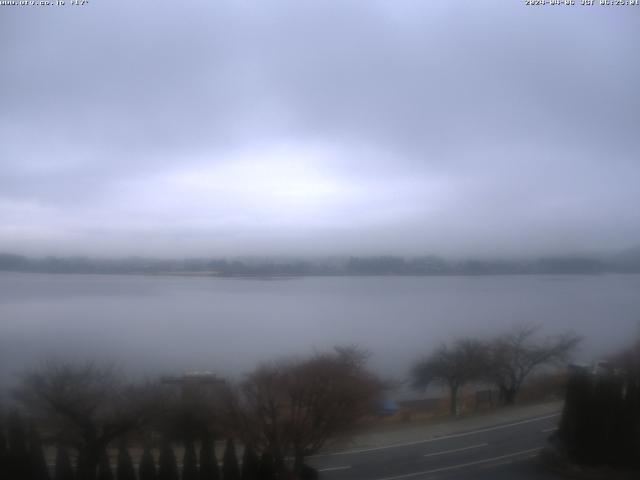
{"x":214,"y":128}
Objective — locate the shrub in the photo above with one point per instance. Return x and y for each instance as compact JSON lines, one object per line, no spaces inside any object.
{"x":167,"y":468}
{"x":147,"y":468}
{"x":125,"y":468}
{"x":208,"y":463}
{"x":37,"y":463}
{"x":230,"y":469}
{"x":104,"y":467}
{"x":250,"y":464}
{"x":63,"y":469}
{"x":189,"y":463}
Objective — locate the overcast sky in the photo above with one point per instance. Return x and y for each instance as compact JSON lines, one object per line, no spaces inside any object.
{"x":319,"y":127}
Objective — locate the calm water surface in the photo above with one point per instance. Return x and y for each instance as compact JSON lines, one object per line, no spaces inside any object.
{"x":152,"y":324}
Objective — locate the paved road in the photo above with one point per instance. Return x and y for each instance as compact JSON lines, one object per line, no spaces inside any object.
{"x":505,"y":451}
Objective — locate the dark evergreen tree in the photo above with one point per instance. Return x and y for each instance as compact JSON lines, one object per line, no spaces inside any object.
{"x":87,"y":464}
{"x":250,"y":464}
{"x":3,"y":453}
{"x":147,"y":469}
{"x":189,"y":462}
{"x":18,"y":455}
{"x":575,"y":430}
{"x":37,"y":463}
{"x":124,"y":469}
{"x":598,"y":425}
{"x":267,"y":467}
{"x":63,"y":469}
{"x":305,"y":472}
{"x":230,"y":469}
{"x":168,"y":468}
{"x":630,"y":416}
{"x":606,"y":428}
{"x":208,"y":462}
{"x":104,"y":467}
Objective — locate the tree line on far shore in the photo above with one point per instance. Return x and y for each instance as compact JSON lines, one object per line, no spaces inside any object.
{"x":356,"y":266}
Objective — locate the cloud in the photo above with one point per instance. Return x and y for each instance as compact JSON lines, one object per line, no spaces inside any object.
{"x":307,"y":127}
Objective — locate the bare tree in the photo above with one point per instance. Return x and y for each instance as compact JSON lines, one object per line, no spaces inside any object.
{"x":86,"y":406}
{"x":515,"y":355}
{"x":452,"y":365}
{"x":294,"y":407}
{"x":193,"y":406}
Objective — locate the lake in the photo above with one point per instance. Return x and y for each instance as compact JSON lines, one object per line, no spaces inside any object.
{"x":156,"y":324}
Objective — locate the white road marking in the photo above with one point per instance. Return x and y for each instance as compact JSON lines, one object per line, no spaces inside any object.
{"x":508,"y":461}
{"x":444,"y":452}
{"x":462,"y":465}
{"x":547,"y":430}
{"x":333,"y":469}
{"x":436,"y":439}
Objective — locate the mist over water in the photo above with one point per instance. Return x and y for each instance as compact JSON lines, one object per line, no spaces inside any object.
{"x":152,"y":325}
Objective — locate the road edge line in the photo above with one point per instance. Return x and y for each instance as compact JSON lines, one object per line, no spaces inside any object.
{"x":435,"y":439}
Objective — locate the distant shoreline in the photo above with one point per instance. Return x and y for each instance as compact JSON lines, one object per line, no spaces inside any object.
{"x":328,"y":275}
{"x":255,"y":267}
